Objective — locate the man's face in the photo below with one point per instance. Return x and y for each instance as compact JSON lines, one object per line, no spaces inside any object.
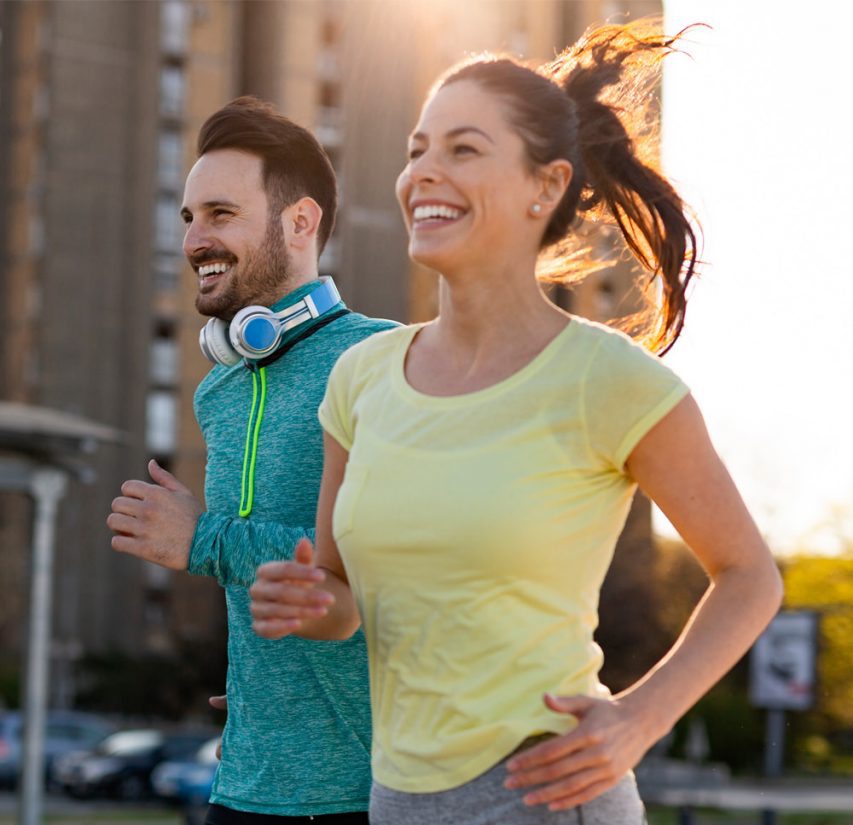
{"x":235,"y":246}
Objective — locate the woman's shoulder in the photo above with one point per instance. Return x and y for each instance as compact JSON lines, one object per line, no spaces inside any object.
{"x":606,"y":342}
{"x":376,"y":349}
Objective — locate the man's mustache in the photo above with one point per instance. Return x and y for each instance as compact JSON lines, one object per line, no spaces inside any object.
{"x":212,"y":255}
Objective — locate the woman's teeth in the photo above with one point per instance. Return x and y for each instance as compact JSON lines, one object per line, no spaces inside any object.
{"x":426,"y":213}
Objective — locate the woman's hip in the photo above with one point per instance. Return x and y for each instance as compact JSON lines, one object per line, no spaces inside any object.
{"x":485,"y":801}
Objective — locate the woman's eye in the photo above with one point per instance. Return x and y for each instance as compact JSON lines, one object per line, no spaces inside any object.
{"x":415,"y":153}
{"x":464,"y":149}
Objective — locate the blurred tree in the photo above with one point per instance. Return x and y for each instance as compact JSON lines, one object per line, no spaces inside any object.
{"x":826,"y":585}
{"x":648,"y":595}
{"x":823,"y":738}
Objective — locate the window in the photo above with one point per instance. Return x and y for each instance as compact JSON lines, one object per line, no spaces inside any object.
{"x":169,"y":231}
{"x":163,"y":362}
{"x":172,"y":91}
{"x":161,"y":423}
{"x":170,"y":160}
{"x":174,"y":26}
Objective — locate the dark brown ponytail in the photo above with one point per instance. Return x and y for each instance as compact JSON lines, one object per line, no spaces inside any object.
{"x":594,"y":106}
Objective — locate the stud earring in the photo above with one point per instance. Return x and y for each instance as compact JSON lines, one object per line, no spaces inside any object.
{"x":536,"y":208}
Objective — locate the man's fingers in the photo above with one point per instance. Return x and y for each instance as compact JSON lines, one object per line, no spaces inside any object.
{"x":127,"y":506}
{"x":125,"y":544}
{"x":125,"y":525}
{"x":164,"y":478}
{"x":134,"y":488}
{"x":219,"y":703}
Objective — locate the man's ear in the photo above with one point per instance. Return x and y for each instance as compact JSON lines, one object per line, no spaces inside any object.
{"x":301,"y":223}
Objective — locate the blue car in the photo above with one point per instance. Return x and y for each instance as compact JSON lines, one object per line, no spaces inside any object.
{"x":65,"y":731}
{"x":187,"y":782}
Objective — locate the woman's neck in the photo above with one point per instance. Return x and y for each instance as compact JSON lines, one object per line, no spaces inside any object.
{"x":478,"y":310}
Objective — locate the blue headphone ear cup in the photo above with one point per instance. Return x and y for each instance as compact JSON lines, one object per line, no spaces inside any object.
{"x":214,"y":343}
{"x":244,"y":328}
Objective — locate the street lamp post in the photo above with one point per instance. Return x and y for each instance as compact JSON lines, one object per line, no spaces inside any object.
{"x":36,"y":445}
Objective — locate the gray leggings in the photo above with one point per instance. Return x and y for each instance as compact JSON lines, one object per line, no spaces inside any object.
{"x":485,"y":801}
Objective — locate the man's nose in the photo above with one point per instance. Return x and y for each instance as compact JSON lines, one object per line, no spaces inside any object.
{"x":196,"y":239}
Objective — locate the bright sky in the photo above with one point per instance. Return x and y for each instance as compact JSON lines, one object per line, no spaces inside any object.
{"x":757,"y":135}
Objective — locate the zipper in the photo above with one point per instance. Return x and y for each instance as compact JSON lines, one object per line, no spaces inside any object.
{"x":253,"y":431}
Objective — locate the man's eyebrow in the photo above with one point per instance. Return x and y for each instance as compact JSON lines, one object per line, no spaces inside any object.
{"x":211,"y":205}
{"x":459,"y":130}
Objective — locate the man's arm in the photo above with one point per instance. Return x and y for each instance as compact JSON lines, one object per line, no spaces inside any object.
{"x":166,"y":524}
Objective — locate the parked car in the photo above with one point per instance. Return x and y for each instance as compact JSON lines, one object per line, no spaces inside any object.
{"x":65,"y":731}
{"x":121,"y":764}
{"x":188,"y":782}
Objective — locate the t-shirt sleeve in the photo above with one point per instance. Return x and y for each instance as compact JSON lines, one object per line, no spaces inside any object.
{"x":335,"y":411}
{"x":627,"y":391}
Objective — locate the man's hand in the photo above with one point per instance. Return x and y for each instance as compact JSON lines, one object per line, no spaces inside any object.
{"x":155,"y":521}
{"x":220,"y":703}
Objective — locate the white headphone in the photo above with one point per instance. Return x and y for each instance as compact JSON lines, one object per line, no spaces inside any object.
{"x":255,"y":331}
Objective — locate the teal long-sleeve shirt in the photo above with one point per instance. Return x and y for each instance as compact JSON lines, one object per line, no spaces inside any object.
{"x":297,"y":740}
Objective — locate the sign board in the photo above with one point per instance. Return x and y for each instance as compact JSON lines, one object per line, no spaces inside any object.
{"x":783,"y":661}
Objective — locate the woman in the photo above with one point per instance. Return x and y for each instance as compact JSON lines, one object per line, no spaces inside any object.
{"x":479,"y":468}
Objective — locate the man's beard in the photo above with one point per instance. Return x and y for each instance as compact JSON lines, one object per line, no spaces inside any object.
{"x":259,"y":278}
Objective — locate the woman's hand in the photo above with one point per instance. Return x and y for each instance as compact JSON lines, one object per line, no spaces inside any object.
{"x":580,"y":765}
{"x":286,"y":593}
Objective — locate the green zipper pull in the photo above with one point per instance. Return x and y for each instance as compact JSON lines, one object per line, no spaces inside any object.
{"x":253,"y":431}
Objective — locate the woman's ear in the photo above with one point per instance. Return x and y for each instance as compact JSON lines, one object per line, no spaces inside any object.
{"x":554,"y":178}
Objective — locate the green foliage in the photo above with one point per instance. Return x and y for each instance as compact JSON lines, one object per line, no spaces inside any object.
{"x":735,"y":728}
{"x":826,"y":585}
{"x":648,"y":595}
{"x":10,"y":685}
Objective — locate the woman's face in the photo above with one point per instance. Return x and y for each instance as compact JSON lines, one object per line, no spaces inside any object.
{"x":467,"y":189}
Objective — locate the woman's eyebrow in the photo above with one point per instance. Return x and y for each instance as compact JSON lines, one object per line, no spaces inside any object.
{"x":454,"y":133}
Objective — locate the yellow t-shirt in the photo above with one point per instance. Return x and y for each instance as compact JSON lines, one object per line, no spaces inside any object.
{"x":476,"y":531}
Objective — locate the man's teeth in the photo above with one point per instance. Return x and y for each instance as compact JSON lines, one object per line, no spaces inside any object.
{"x":425,"y":213}
{"x":212,"y":269}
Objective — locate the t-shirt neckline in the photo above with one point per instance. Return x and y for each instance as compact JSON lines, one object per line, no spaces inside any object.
{"x":538,"y":362}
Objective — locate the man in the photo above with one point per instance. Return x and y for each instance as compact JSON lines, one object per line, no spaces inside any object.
{"x":259,"y":205}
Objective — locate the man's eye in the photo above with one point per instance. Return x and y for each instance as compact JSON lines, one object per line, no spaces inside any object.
{"x":219,"y":213}
{"x":415,"y":153}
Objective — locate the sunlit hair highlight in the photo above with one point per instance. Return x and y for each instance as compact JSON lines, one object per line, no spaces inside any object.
{"x":595,"y":105}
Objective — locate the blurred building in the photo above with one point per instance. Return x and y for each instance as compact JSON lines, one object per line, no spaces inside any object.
{"x":100,"y":104}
